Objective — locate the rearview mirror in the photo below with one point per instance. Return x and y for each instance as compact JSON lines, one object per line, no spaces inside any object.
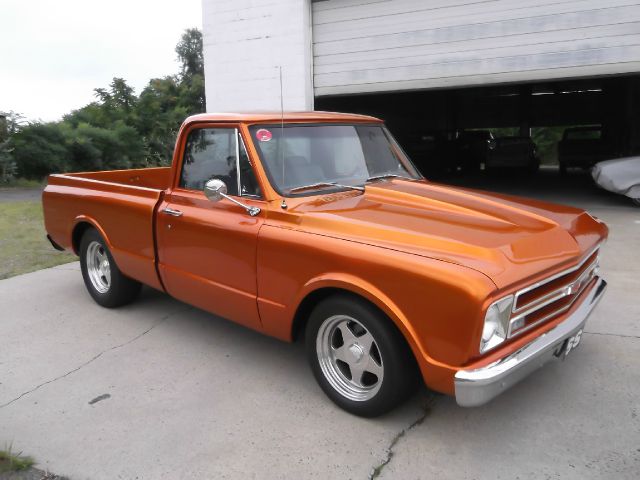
{"x":215,"y":190}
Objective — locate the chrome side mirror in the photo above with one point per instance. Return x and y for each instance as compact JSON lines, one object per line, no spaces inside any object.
{"x":215,"y":190}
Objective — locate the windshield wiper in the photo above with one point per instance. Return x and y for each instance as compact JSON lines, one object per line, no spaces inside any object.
{"x":324,"y":184}
{"x":385,"y":175}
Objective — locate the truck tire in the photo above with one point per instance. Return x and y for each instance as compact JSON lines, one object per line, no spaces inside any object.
{"x":358,"y":356}
{"x":102,"y":277}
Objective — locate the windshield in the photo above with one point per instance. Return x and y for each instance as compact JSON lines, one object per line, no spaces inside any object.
{"x":300,"y":155}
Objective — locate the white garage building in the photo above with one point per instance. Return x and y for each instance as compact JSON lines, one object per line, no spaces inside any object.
{"x":461,"y":63}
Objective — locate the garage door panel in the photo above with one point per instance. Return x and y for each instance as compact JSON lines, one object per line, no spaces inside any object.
{"x":570,"y":46}
{"x":407,"y":41}
{"x":437,"y":33}
{"x":482,"y":79}
{"x":337,"y":11}
{"x":464,"y":15}
{"x":388,"y":9}
{"x":378,"y":57}
{"x":516,"y":63}
{"x":323,"y":5}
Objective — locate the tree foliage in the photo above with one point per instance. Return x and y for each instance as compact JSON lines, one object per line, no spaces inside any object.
{"x":189,"y":51}
{"x":118,"y":130}
{"x":9,"y":123}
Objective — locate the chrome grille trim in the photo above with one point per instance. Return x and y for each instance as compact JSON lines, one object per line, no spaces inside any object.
{"x":566,"y":290}
{"x":551,"y":279}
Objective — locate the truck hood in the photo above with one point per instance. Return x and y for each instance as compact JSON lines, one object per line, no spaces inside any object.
{"x":485,"y":231}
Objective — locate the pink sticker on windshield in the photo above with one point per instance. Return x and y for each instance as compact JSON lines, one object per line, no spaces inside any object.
{"x":263,"y":135}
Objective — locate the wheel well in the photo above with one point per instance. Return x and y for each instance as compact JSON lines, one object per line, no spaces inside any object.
{"x":310,"y":301}
{"x":307,"y":305}
{"x":76,"y":236}
{"x":314,"y":298}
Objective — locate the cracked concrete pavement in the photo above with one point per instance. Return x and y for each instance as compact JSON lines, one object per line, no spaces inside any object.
{"x":183,"y":394}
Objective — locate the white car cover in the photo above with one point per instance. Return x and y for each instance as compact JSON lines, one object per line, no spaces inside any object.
{"x":621,"y":175}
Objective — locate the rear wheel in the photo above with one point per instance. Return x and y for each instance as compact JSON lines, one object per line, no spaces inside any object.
{"x":358,"y":356}
{"x":102,"y":277}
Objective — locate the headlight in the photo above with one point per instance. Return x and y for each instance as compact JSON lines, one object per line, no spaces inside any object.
{"x":496,"y":323}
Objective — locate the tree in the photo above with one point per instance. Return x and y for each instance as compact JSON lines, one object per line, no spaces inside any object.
{"x":118,"y":129}
{"x":39,"y":149}
{"x":191,"y":79}
{"x":10,"y":123}
{"x":159,"y":114}
{"x":189,"y":50}
{"x":7,"y":164}
{"x":118,"y":102}
{"x":122,"y":95}
{"x":8,"y":167}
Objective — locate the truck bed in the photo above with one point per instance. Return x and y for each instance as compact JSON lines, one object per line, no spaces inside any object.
{"x":155,"y":178}
{"x":120,"y":202}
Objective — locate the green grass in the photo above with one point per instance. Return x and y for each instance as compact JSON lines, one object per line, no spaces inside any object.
{"x":23,"y":243}
{"x":10,"y":462}
{"x":22,"y":183}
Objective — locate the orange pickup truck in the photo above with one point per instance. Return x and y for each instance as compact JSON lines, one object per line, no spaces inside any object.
{"x":317,"y":225}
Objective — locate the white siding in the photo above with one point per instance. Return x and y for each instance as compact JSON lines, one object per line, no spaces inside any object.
{"x":381,"y":45}
{"x":245,"y":41}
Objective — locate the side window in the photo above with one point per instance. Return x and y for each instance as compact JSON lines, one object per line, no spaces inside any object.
{"x":248,"y":183}
{"x":210,"y":153}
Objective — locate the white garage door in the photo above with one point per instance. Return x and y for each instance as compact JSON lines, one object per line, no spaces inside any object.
{"x":381,"y":45}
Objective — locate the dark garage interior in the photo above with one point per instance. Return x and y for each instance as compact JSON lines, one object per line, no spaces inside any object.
{"x":534,"y":139}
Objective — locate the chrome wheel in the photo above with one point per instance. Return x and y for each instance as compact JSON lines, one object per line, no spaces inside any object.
{"x":349,"y":358}
{"x":98,"y":267}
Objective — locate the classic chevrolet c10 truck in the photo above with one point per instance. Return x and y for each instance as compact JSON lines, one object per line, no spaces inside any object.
{"x":316,"y":225}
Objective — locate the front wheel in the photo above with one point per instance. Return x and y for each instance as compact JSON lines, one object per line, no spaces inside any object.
{"x":102,"y":277}
{"x":358,"y":356}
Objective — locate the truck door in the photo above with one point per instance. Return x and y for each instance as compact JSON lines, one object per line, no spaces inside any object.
{"x":207,"y":250}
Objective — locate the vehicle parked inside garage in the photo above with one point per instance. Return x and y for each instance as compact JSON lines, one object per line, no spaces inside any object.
{"x":317,"y":225}
{"x":431,"y":151}
{"x":472,"y":149}
{"x":582,"y":147}
{"x":513,"y":152}
{"x":621,"y":176}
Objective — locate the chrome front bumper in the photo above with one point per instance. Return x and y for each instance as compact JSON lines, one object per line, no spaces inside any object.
{"x":477,"y":387}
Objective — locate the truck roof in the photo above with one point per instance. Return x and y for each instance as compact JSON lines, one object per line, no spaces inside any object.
{"x":264,"y":117}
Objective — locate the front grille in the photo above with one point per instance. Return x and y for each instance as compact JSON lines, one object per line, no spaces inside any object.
{"x":549,"y":298}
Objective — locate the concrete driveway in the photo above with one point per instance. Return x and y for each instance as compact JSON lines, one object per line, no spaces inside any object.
{"x":161,"y":390}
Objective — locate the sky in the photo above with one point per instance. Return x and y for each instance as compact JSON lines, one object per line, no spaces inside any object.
{"x":53,"y":53}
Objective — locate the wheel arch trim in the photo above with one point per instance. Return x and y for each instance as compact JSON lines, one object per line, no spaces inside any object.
{"x":78,"y":223}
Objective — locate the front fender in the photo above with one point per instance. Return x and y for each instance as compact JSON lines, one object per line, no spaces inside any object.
{"x":436,"y":305}
{"x":362,"y":288}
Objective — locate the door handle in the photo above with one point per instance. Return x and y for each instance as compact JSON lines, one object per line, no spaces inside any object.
{"x":172,"y":212}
